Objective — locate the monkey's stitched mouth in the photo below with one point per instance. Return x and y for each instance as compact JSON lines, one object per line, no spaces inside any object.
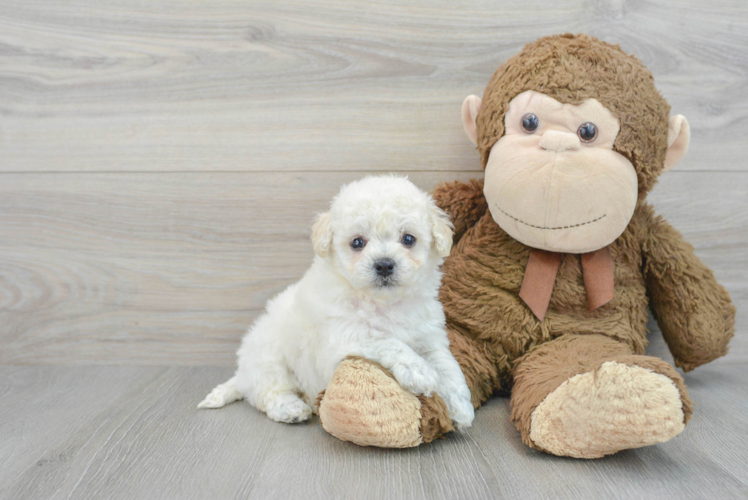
{"x":549,"y":228}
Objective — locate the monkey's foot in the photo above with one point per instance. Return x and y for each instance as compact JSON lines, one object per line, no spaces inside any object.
{"x":364,"y":404}
{"x":616,"y":407}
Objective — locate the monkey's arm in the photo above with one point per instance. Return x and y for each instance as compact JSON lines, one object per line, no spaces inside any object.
{"x":464,"y":203}
{"x":694,"y":312}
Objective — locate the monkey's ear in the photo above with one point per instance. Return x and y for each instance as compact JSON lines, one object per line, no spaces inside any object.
{"x":322,"y":235}
{"x":441,"y":230}
{"x":470,"y":108}
{"x":678,"y":137}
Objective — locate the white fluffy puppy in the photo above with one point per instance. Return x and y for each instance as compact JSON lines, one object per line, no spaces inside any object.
{"x":372,"y":291}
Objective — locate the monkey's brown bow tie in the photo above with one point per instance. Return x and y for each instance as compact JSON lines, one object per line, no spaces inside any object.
{"x":540,"y":275}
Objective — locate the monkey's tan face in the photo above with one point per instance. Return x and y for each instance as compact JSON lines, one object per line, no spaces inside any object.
{"x":554,"y":182}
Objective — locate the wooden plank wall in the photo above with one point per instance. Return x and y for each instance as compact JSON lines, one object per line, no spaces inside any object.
{"x":160,"y":163}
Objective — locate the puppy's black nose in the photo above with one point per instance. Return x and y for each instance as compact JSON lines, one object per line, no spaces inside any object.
{"x":384,"y":267}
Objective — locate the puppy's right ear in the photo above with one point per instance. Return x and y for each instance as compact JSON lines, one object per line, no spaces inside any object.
{"x":441,"y":228}
{"x":322,"y":235}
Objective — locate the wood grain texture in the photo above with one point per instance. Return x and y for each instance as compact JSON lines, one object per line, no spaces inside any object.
{"x":171,"y":268}
{"x":334,"y":85}
{"x":160,"y":165}
{"x":124,"y":432}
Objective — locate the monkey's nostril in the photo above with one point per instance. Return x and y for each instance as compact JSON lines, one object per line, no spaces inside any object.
{"x":384,"y":267}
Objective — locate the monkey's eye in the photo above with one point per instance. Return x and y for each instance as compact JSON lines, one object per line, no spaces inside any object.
{"x":409,"y":240}
{"x":530,"y":123}
{"x":587,"y":132}
{"x":358,"y":243}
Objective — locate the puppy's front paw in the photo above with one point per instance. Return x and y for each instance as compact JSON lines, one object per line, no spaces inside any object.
{"x":418,"y":379}
{"x":461,"y":412}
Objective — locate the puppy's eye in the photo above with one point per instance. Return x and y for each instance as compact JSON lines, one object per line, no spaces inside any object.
{"x":409,"y":240}
{"x":358,"y":243}
{"x":587,"y":132}
{"x":530,"y":123}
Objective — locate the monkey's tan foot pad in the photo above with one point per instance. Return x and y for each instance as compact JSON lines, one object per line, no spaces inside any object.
{"x":601,"y":412}
{"x":364,"y":404}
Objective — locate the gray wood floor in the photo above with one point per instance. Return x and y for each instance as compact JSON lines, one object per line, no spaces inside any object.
{"x":161,"y":163}
{"x":134,"y":432}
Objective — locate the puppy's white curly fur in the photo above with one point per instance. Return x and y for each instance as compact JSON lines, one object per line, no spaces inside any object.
{"x":343,"y":306}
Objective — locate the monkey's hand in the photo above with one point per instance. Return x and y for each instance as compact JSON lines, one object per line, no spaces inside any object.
{"x":464,"y":203}
{"x":694,"y":312}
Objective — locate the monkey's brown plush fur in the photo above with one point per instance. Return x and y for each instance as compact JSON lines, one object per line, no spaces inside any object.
{"x":578,"y":364}
{"x":574,"y":68}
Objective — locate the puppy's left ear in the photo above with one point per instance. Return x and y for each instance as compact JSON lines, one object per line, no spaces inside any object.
{"x":441,"y":229}
{"x":322,"y":235}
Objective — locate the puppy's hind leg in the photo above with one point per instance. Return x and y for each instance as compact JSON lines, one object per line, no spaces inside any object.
{"x":268,"y":384}
{"x":222,"y":395}
{"x":289,"y":408}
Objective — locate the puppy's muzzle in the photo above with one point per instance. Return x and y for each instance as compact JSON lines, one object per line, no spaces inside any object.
{"x":384,"y":267}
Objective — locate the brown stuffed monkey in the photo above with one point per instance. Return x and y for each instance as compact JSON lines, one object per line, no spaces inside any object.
{"x":556,"y":257}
